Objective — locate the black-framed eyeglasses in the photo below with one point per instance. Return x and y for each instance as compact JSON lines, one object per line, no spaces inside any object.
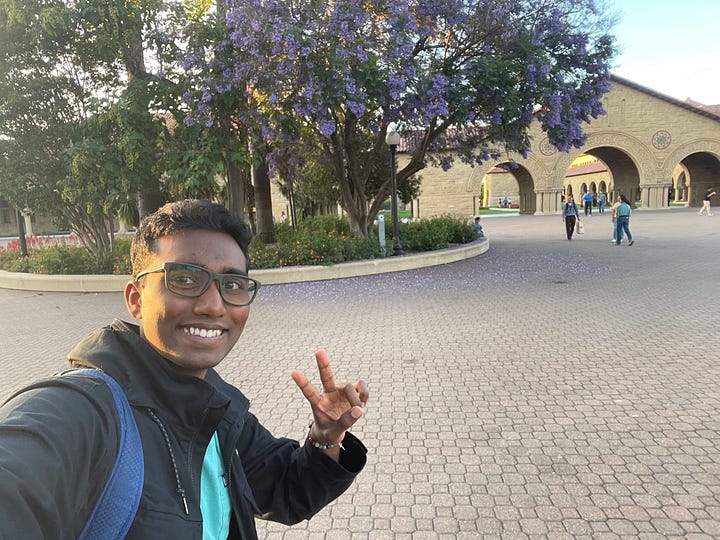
{"x":191,"y":280}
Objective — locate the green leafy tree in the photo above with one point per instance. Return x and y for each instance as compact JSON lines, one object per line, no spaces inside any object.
{"x":78,"y":110}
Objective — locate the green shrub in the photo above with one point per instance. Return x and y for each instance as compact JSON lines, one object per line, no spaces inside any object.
{"x":60,"y":260}
{"x":312,"y":248}
{"x":326,"y":224}
{"x":19,"y":264}
{"x":263,"y":255}
{"x":284,"y":232}
{"x":361,"y":248}
{"x":320,"y":240}
{"x":67,"y":259}
{"x":459,"y":230}
{"x":423,"y":235}
{"x":8,"y":257}
{"x":120,"y":261}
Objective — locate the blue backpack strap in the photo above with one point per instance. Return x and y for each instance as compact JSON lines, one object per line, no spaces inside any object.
{"x":115,"y":510}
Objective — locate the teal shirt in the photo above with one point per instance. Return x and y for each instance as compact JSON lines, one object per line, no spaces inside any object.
{"x":214,"y":494}
{"x":623,"y":210}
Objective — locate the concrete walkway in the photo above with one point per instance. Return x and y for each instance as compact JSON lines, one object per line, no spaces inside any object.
{"x":546,"y":389}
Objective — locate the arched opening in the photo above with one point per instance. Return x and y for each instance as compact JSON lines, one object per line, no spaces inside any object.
{"x":511,"y":185}
{"x":679,"y":191}
{"x":622,"y":175}
{"x":702,"y":172}
{"x":589,"y":176}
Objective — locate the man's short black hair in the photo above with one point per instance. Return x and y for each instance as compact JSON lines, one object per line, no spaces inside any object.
{"x":186,"y":215}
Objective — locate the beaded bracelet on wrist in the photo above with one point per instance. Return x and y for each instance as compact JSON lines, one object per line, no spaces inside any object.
{"x":319,"y":445}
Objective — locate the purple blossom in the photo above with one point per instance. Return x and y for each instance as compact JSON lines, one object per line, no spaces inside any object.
{"x":326,"y":127}
{"x":358,"y":109}
{"x":417,"y":61}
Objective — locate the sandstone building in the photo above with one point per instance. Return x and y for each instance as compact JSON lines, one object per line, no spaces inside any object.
{"x":653,"y":148}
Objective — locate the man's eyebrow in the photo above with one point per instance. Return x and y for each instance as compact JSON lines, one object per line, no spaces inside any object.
{"x":236,"y":271}
{"x":228,"y":270}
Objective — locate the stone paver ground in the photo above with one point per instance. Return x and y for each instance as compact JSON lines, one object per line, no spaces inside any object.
{"x":546,"y":389}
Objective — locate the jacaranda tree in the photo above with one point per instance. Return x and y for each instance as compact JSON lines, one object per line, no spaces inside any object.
{"x":466,"y":75}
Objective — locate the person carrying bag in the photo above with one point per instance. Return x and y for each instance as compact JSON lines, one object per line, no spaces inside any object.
{"x":570,"y":217}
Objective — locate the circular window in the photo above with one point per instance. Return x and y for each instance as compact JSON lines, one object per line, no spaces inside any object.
{"x":547,"y":148}
{"x":661,"y":139}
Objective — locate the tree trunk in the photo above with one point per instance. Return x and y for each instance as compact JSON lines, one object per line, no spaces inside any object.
{"x":236,"y":192}
{"x":352,"y":187}
{"x":263,"y":199}
{"x":150,"y":198}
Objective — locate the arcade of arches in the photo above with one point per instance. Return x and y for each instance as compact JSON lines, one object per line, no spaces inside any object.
{"x":653,"y":148}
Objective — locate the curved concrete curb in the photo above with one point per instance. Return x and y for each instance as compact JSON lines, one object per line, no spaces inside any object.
{"x":272,"y":276}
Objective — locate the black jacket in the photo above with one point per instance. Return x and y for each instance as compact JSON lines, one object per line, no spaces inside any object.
{"x":58,"y":443}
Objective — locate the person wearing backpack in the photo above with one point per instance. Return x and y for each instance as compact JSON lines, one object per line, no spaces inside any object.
{"x":208,"y":466}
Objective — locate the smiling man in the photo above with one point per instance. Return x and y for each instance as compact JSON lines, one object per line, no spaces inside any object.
{"x":209,"y":466}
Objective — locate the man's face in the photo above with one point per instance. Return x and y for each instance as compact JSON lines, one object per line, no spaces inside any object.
{"x":195,"y":334}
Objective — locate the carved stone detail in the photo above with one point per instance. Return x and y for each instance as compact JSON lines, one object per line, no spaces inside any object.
{"x":661,"y":139}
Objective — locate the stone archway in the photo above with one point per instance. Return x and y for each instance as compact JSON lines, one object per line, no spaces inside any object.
{"x":624,"y":172}
{"x":525,"y":185}
{"x":628,"y":160}
{"x":700,"y":164}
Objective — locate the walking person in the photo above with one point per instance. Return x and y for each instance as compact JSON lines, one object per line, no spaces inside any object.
{"x":601,"y":200}
{"x":613,"y":215}
{"x":570,"y":216}
{"x":706,"y":202}
{"x":210,"y":467}
{"x":622,"y":221}
{"x":588,"y":203}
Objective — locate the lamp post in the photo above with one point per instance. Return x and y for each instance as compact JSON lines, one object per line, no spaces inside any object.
{"x":393,"y":139}
{"x":21,"y":234}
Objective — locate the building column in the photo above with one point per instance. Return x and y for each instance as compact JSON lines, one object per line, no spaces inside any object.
{"x":655,"y":195}
{"x":548,"y":201}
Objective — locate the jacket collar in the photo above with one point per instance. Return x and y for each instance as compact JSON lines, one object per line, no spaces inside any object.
{"x":149,"y":380}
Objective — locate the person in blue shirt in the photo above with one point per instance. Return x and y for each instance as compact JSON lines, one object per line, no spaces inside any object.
{"x":588,"y":203}
{"x":478,"y":228}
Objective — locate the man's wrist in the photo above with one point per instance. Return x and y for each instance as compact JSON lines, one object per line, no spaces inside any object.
{"x":319,"y":442}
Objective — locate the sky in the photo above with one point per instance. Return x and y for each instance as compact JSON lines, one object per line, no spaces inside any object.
{"x":670,"y":47}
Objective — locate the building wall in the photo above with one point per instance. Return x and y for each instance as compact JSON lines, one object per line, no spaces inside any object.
{"x":641,"y":140}
{"x":37,"y":223}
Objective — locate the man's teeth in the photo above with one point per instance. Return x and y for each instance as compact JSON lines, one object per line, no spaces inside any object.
{"x":202,"y":332}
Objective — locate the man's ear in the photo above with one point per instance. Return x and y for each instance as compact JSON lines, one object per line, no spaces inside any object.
{"x":133,"y":299}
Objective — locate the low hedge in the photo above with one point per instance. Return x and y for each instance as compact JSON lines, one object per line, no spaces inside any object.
{"x":322,"y":240}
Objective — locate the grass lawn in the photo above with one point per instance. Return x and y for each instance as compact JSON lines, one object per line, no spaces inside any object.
{"x":491,"y":211}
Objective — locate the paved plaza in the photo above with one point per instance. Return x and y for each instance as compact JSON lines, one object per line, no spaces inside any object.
{"x":545,"y":389}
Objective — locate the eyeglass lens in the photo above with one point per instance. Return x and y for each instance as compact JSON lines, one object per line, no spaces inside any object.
{"x":190,"y":280}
